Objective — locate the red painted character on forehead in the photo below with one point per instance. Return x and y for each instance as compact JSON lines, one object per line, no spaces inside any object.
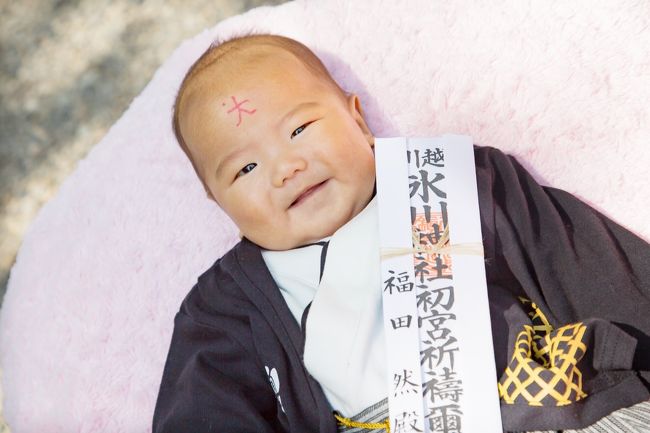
{"x":238,"y":106}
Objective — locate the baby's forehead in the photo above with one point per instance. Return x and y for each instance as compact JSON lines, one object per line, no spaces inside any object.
{"x":262,"y":80}
{"x":275,"y":73}
{"x":238,"y":64}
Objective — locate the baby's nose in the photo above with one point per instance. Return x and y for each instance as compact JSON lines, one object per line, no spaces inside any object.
{"x":287,"y":166}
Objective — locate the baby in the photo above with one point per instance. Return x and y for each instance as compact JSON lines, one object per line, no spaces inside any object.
{"x":287,"y":154}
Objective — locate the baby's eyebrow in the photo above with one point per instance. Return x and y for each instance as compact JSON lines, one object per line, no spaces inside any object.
{"x":293,"y":111}
{"x":227,"y":160}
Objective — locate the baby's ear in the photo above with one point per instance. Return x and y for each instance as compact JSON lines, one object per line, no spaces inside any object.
{"x":354,"y":105}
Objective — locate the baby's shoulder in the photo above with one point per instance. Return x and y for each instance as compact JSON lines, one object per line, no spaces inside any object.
{"x":217,"y":291}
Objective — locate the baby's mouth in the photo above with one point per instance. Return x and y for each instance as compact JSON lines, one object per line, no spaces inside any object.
{"x":308,"y":192}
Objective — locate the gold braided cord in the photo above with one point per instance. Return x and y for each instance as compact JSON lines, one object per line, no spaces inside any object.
{"x":440,"y":247}
{"x":385,"y":424}
{"x":541,"y":328}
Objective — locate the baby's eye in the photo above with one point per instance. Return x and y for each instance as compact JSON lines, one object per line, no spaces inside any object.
{"x":247,"y":168}
{"x":299,"y":129}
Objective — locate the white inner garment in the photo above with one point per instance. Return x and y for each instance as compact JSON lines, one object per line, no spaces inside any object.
{"x":296,"y":272}
{"x":344,"y":347}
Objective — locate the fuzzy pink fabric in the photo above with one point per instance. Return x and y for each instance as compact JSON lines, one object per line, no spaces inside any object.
{"x":87,"y":318}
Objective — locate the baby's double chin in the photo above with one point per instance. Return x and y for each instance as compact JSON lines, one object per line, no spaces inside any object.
{"x":290,"y":241}
{"x":278,"y":242}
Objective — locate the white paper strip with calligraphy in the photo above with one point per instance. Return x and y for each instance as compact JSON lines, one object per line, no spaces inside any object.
{"x":434,"y":277}
{"x":397,"y":276}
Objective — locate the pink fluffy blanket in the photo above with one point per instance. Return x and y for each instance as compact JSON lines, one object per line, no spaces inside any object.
{"x":87,"y":318}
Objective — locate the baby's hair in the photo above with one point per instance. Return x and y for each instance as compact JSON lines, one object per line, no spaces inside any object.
{"x":221,"y":50}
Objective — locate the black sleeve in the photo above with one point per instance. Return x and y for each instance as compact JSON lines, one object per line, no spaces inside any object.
{"x":568,"y":256}
{"x":211,"y":383}
{"x":577,"y":266}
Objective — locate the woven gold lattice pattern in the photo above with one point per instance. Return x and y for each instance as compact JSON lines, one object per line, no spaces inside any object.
{"x":544,"y":369}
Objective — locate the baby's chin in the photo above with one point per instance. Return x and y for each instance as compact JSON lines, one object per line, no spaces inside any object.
{"x":288,"y":241}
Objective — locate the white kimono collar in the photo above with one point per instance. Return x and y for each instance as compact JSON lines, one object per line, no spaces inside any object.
{"x":344,"y":347}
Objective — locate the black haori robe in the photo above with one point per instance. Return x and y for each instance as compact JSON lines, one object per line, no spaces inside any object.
{"x":569,"y":298}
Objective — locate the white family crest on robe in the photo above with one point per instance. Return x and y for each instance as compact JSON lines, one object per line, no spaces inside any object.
{"x":272,"y":374}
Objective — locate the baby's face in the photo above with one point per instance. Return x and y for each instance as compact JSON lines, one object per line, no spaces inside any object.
{"x":287,"y":158}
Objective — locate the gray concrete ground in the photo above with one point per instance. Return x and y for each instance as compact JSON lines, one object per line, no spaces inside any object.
{"x":68,"y":69}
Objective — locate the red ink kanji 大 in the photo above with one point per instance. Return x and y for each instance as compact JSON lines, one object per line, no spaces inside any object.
{"x":238,"y":106}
